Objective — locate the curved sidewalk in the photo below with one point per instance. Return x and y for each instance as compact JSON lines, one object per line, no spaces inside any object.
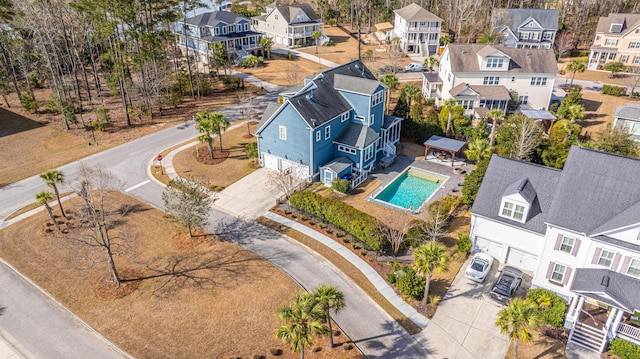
{"x":373,"y":276}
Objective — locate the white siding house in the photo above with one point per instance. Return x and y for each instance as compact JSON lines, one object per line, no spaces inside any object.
{"x":417,"y":29}
{"x":290,"y":25}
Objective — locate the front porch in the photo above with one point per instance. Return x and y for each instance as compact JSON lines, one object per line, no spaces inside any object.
{"x":600,"y":56}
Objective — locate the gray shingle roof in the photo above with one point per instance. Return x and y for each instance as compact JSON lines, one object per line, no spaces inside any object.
{"x":214,"y":18}
{"x":268,"y":112}
{"x":354,"y":84}
{"x":503,"y":172}
{"x":289,"y":12}
{"x":630,"y":111}
{"x":513,"y":18}
{"x":339,"y":164}
{"x":444,"y":143}
{"x":524,"y":188}
{"x":618,"y":290}
{"x":389,"y":120}
{"x":413,"y":12}
{"x":597,"y":191}
{"x":617,"y":243}
{"x":627,"y":20}
{"x":357,"y":135}
{"x":464,"y":58}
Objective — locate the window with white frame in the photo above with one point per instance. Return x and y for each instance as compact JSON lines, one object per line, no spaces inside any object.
{"x":467,"y":104}
{"x":538,"y":81}
{"x":634,"y":268}
{"x":495,"y":63}
{"x":567,"y":244}
{"x":276,"y":16}
{"x":327,"y":132}
{"x":624,"y":58}
{"x":344,"y":117}
{"x":547,"y":36}
{"x":491,"y":80}
{"x":360,"y":118}
{"x":377,"y":98}
{"x":224,"y":30}
{"x":513,"y":211}
{"x":318,"y":135}
{"x":346,"y":149}
{"x":368,"y":153}
{"x":606,"y":257}
{"x":217,"y":31}
{"x":283,"y":132}
{"x":634,"y":45}
{"x":523,"y":100}
{"x":557,"y":275}
{"x":246,"y":27}
{"x":636,"y":60}
{"x":611,"y":42}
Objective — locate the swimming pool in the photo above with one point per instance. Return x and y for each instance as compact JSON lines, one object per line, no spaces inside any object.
{"x":410,"y":189}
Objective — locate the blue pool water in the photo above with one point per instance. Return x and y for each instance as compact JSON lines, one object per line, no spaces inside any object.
{"x":408,"y":191}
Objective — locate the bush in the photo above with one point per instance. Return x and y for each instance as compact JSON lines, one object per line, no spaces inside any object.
{"x":464,"y":243}
{"x":624,"y":349}
{"x":289,"y":56}
{"x":253,"y":61}
{"x":552,"y":307}
{"x":410,"y":283}
{"x":99,"y":125}
{"x":361,"y":225}
{"x":275,"y":351}
{"x":340,"y":185}
{"x":472,"y":182}
{"x":614,"y":90}
{"x":28,"y":102}
{"x":347,"y":346}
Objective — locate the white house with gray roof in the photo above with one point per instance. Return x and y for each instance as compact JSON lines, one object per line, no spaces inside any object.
{"x":576,"y":230}
{"x":290,"y":25}
{"x":417,"y":29}
{"x":197,"y":33}
{"x":627,"y":118}
{"x":478,"y":75}
{"x":525,"y":28}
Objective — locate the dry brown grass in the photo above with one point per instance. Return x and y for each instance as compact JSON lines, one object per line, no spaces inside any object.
{"x":599,"y":110}
{"x":231,"y":311}
{"x":540,"y":346}
{"x":223,"y":174}
{"x":33,"y":143}
{"x":283,"y":72}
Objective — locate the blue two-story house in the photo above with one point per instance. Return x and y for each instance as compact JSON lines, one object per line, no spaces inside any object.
{"x":232,"y":30}
{"x":332,"y":126}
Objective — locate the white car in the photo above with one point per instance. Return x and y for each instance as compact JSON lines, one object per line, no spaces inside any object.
{"x":414,"y":66}
{"x":479,"y":267}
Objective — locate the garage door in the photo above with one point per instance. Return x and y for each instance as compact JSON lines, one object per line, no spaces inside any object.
{"x":270,"y":161}
{"x":490,"y":247}
{"x":522,"y":259}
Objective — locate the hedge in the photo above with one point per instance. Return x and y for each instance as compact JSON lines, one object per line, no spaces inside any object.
{"x":552,"y":314}
{"x":360,"y":225}
{"x":614,"y":90}
{"x":624,"y":349}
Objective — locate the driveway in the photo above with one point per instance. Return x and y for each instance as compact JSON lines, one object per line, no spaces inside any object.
{"x":463,"y":326}
{"x":250,"y":196}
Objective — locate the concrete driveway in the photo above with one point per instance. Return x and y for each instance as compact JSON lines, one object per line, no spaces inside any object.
{"x":463,"y":326}
{"x":250,"y":196}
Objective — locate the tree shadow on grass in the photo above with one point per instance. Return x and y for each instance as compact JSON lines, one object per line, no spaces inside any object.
{"x":242,"y":231}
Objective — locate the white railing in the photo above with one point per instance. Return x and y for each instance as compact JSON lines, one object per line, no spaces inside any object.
{"x":356,"y":181}
{"x":629,"y":331}
{"x":389,"y":148}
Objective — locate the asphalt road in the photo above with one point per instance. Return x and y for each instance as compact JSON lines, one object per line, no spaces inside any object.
{"x":48,"y":331}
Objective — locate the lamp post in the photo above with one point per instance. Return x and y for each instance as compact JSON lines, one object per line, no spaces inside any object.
{"x":93,"y":134}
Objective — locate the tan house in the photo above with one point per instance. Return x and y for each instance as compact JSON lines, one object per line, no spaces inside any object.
{"x":617,"y":40}
{"x":417,"y":29}
{"x":290,"y":25}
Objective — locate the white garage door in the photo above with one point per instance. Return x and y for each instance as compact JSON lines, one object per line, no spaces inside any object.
{"x":522,"y":259}
{"x":490,"y":247}
{"x":270,"y":161}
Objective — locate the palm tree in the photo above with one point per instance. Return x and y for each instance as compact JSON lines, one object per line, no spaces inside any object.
{"x":266,"y":43}
{"x":305,"y":318}
{"x":449,"y":105}
{"x":52,"y":178}
{"x":411,"y":92}
{"x":494,"y":114}
{"x":219,"y":124}
{"x":479,"y":149}
{"x":204,"y":124}
{"x":316,"y":35}
{"x":445,"y":40}
{"x":517,"y":320}
{"x":43,"y":197}
{"x":431,"y":62}
{"x":430,"y":258}
{"x":575,"y":111}
{"x":328,"y":298}
{"x":576,"y":66}
{"x":392,"y":83}
{"x":490,"y":37}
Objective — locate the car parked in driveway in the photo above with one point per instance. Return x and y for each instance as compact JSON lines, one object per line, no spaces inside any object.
{"x":506,"y":285}
{"x":479,"y":267}
{"x":414,"y":66}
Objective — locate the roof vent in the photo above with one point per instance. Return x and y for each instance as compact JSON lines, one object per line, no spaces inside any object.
{"x":605,"y":281}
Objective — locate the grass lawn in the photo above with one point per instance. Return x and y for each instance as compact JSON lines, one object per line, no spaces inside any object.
{"x":540,"y":346}
{"x":204,"y":298}
{"x":223,"y":174}
{"x":281,"y":71}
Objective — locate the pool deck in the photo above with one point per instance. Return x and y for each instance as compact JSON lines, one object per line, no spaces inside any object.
{"x":450,"y":186}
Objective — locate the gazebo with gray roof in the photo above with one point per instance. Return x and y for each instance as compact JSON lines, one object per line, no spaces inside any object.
{"x":448,"y":145}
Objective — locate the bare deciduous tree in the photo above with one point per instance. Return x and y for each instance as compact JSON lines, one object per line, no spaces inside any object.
{"x":564,"y":43}
{"x":95,"y":186}
{"x":435,"y":223}
{"x":285,"y":181}
{"x":395,"y":231}
{"x":632,"y":78}
{"x":527,"y":137}
{"x":188,"y":203}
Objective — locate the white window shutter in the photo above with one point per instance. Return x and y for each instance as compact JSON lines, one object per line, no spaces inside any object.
{"x":596,"y":256}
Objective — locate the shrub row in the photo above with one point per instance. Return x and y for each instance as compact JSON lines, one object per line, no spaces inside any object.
{"x":614,"y":90}
{"x":552,"y":307}
{"x":361,"y":225}
{"x":624,"y":349}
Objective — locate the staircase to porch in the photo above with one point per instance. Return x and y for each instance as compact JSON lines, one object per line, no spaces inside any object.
{"x":588,"y":337}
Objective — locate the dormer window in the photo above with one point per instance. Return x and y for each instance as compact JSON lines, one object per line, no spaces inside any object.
{"x":377,"y":98}
{"x":513,"y":210}
{"x":495,"y":63}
